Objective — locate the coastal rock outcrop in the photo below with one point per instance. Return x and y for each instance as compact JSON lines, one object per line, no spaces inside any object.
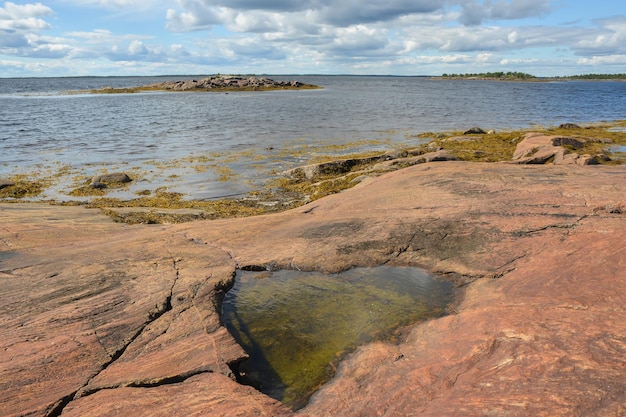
{"x":538,"y":148}
{"x":385,"y":162}
{"x":105,"y":319}
{"x":334,"y":167}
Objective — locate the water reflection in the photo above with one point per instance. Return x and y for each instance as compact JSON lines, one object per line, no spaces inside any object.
{"x":296,"y":326}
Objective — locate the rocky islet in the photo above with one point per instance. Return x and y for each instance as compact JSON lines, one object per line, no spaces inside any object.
{"x":215,"y":83}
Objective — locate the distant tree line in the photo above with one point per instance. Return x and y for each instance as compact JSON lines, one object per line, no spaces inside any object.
{"x":596,"y":77}
{"x":513,"y":75}
{"x":497,"y":75}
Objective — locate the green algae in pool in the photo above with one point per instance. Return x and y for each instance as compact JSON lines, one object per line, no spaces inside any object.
{"x":296,"y":326}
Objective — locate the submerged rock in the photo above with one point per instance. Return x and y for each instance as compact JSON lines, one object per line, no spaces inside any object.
{"x":570,"y":126}
{"x":110,"y":180}
{"x":6,"y":183}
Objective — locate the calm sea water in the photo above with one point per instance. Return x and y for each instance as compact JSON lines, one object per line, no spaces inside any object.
{"x":214,"y":144}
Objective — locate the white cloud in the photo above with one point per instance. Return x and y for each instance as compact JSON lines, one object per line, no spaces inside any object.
{"x":120,"y":4}
{"x":609,"y":60}
{"x":609,"y":39}
{"x":196,"y":17}
{"x":269,"y":16}
{"x":474,"y":13}
{"x":12,"y":11}
{"x":19,"y":26}
{"x":391,"y":36}
{"x":23,"y":18}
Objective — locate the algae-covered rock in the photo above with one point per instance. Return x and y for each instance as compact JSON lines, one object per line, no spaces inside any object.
{"x":115,"y":179}
{"x":474,"y":131}
{"x":6,"y":183}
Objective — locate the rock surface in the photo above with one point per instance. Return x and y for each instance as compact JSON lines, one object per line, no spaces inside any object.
{"x":537,"y":148}
{"x":105,"y":319}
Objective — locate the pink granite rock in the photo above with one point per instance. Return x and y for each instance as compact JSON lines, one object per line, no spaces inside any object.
{"x":100,"y":318}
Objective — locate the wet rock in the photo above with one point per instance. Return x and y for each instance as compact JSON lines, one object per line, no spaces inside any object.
{"x":110,"y":180}
{"x":339,"y":166}
{"x":474,"y":131}
{"x":6,"y":183}
{"x":570,"y":126}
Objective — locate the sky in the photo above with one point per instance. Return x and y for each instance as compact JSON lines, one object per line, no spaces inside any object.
{"x":375,"y":37}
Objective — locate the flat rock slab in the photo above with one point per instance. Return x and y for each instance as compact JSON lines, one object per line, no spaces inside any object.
{"x":101,"y":318}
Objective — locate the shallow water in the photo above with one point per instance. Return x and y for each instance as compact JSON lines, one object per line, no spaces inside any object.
{"x":210,"y":145}
{"x":296,"y":326}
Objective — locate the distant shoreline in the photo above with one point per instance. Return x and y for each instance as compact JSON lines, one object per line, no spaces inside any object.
{"x":520,"y":76}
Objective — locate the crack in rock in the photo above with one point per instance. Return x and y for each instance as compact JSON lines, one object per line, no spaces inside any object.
{"x":153,"y":316}
{"x":566,"y":226}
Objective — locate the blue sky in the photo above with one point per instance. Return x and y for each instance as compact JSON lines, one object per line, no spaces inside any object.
{"x":400,"y":37}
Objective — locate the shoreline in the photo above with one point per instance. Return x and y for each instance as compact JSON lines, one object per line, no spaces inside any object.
{"x":132,"y":202}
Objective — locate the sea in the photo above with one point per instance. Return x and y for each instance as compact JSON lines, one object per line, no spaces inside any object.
{"x":215,"y":145}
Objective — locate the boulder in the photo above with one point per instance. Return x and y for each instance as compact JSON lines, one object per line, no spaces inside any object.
{"x":110,"y":180}
{"x":339,"y":166}
{"x":570,"y":126}
{"x":6,"y":183}
{"x":474,"y":131}
{"x":393,"y":164}
{"x":537,"y":148}
{"x":568,"y":141}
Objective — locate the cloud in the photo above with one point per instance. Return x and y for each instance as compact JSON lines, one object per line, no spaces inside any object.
{"x":611,"y":60}
{"x":269,"y":16}
{"x":359,"y":40}
{"x":385,"y":36}
{"x":474,"y":13}
{"x":19,"y":26}
{"x":26,"y":18}
{"x":340,"y":33}
{"x":196,"y":17}
{"x":16,"y":12}
{"x":608,"y":39}
{"x":352,"y":12}
{"x":118,"y":4}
